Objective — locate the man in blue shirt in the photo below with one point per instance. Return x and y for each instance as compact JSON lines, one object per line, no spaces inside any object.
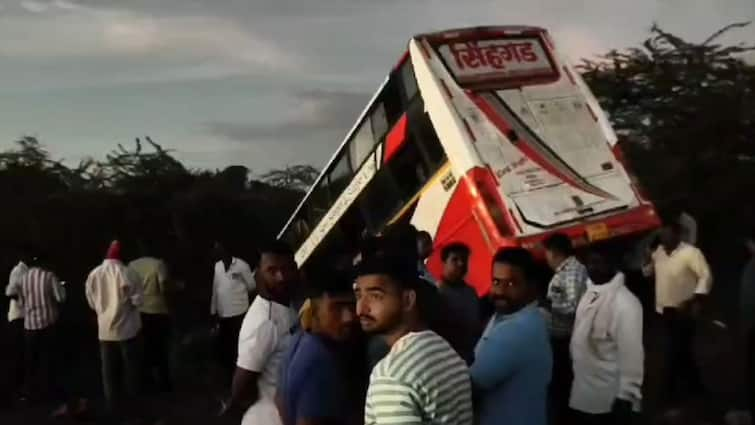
{"x":513,"y":362}
{"x":316,"y":385}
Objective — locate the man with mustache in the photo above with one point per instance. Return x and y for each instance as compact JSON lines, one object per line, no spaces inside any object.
{"x":422,"y":379}
{"x":513,"y":362}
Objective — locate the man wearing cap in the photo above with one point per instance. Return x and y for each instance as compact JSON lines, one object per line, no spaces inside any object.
{"x":312,"y":387}
{"x":115,"y":295}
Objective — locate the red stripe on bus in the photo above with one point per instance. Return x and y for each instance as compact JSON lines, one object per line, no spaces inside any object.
{"x":395,"y":139}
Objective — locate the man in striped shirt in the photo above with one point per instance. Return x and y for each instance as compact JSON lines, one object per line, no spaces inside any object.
{"x":39,"y":292}
{"x":422,"y":380}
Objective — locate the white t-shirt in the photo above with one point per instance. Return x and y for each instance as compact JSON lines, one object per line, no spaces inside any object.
{"x":15,"y":310}
{"x":264,"y":337}
{"x":230,"y":288}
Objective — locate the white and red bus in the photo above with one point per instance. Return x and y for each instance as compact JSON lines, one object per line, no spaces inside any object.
{"x":485,"y":136}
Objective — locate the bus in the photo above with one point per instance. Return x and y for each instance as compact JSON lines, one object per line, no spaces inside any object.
{"x":485,"y":136}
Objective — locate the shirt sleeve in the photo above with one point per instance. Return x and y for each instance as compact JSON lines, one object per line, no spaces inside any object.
{"x":631,"y":358}
{"x":497,"y":358}
{"x":134,"y":289}
{"x":390,"y":401}
{"x":249,"y":278}
{"x":699,"y":266}
{"x":257,"y":341}
{"x":89,"y":291}
{"x":214,"y":297}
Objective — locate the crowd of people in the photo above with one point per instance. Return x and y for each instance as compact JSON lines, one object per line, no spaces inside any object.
{"x":373,"y":338}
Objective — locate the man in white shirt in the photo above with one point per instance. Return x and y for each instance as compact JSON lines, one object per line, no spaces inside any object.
{"x":606,"y":348}
{"x":682,"y":282}
{"x":115,"y":294}
{"x":232,"y":285}
{"x":264,"y":338}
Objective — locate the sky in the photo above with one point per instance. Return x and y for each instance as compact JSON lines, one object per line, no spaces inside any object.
{"x":261,"y":83}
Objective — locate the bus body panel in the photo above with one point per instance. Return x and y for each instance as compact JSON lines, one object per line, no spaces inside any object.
{"x":523,"y":159}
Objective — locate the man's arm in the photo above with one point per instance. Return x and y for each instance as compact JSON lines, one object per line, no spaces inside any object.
{"x":631,"y":358}
{"x":134,"y":288}
{"x":89,"y":292}
{"x":257,"y":342}
{"x":497,"y":361}
{"x":699,"y":266}
{"x":401,"y":407}
{"x":214,"y":297}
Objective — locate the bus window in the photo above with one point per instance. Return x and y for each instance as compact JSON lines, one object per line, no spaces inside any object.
{"x":409,"y":170}
{"x":340,"y":176}
{"x":424,"y":133}
{"x":380,"y":199}
{"x":391,"y":100}
{"x":379,"y":121}
{"x":408,"y":82}
{"x":319,"y":203}
{"x":361,"y":144}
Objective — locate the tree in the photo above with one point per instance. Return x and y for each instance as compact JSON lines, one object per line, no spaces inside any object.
{"x":296,"y":177}
{"x":686,"y":114}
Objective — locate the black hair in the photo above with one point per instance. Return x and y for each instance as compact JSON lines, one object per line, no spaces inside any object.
{"x":325,"y":279}
{"x":275,"y":247}
{"x":559,"y":243}
{"x":518,"y":257}
{"x":673,"y":224}
{"x":423,"y":234}
{"x":454,"y":248}
{"x":403,"y":271}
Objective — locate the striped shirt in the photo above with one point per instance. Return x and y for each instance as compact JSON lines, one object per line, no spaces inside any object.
{"x":565,"y":290}
{"x":40,"y":292}
{"x":421,"y":381}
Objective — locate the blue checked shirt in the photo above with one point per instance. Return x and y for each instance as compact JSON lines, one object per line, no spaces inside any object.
{"x":564,"y":292}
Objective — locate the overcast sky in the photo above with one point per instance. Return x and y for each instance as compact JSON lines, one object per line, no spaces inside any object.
{"x":260,"y":83}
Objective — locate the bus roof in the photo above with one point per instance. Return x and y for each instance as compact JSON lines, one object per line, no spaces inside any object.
{"x":506,"y":29}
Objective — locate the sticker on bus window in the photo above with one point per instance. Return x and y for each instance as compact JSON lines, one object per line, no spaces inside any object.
{"x":497,"y":60}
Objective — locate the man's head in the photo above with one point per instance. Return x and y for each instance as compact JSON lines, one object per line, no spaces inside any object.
{"x":512,"y":287}
{"x":670,"y":235}
{"x":219,"y":252}
{"x":455,"y":258}
{"x":424,"y":245}
{"x":276,"y":270}
{"x":558,"y":247}
{"x":332,"y":304}
{"x":601,"y":267}
{"x":386,"y":294}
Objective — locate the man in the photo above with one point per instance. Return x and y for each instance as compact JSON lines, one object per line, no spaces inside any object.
{"x":152,"y":274}
{"x":460,"y":301}
{"x":312,"y":387}
{"x":264,"y":338}
{"x":16,"y":321}
{"x":565,"y":289}
{"x":232,"y":285}
{"x":606,"y":346}
{"x":40,"y":293}
{"x":747,"y":315}
{"x":513,"y":361}
{"x":424,"y":250}
{"x":422,"y":379}
{"x":682,"y":282}
{"x":115,"y":295}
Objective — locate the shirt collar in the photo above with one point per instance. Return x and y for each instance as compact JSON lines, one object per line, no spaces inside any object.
{"x":504,"y":317}
{"x":616,"y":281}
{"x":570,"y":259}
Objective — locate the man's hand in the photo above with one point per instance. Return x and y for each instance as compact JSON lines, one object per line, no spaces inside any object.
{"x":622,"y":412}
